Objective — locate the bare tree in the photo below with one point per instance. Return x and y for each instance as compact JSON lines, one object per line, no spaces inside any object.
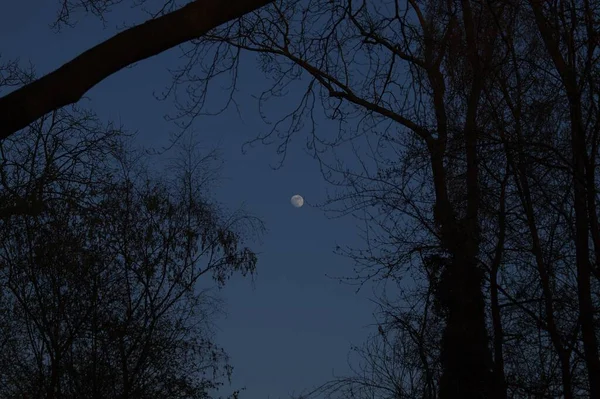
{"x":569,"y":32}
{"x":356,"y":55}
{"x":401,"y":358}
{"x":102,"y":271}
{"x":475,"y":125}
{"x":459,"y":129}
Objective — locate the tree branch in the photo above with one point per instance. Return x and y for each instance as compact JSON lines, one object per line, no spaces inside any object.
{"x":70,"y":82}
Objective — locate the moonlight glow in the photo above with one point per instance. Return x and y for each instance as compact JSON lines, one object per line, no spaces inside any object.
{"x":297,"y":201}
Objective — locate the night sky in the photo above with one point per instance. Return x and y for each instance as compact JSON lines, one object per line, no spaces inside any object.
{"x":293,"y":327}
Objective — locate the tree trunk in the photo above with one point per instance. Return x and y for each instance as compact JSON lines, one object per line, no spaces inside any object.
{"x":466,"y":360}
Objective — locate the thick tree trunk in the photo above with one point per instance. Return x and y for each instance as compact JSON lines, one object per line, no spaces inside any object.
{"x":467,"y":366}
{"x":466,"y":359}
{"x":71,"y":81}
{"x":584,"y":293}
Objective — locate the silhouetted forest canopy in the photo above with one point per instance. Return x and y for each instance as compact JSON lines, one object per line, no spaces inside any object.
{"x":467,"y":148}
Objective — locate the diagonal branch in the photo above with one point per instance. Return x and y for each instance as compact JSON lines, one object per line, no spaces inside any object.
{"x":70,"y":82}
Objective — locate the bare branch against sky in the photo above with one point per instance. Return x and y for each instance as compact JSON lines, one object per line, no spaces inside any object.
{"x":71,"y":81}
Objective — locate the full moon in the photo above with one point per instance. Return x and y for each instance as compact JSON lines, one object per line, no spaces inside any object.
{"x":297,"y":201}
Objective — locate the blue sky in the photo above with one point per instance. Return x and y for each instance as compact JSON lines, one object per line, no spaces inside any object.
{"x":293,"y":328}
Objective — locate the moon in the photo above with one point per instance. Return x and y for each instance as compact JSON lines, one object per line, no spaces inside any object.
{"x":297,"y":201}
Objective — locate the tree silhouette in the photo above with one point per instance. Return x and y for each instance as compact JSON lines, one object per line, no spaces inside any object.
{"x":99,"y":286}
{"x":459,"y":117}
{"x":474,"y":130}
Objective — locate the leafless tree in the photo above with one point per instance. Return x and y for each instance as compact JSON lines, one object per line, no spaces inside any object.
{"x":401,"y":360}
{"x":104,"y":266}
{"x":460,"y":125}
{"x":356,"y":55}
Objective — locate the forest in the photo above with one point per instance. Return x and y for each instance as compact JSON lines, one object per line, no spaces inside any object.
{"x":466,"y":147}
